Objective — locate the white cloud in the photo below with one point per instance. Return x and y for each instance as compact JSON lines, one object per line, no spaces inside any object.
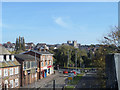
{"x":59,"y":21}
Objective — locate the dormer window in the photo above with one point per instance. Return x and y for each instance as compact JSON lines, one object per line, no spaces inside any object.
{"x":4,"y":57}
{"x":10,"y":57}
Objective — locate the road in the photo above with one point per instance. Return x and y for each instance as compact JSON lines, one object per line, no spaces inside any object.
{"x":90,"y":80}
{"x":60,"y":81}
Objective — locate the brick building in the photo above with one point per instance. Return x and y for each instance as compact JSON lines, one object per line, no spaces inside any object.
{"x":29,"y":69}
{"x":9,"y":70}
{"x":45,"y":62}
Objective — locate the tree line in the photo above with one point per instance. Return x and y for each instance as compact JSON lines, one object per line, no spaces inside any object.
{"x":68,"y":56}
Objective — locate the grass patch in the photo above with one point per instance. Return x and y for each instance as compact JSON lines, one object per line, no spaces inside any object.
{"x":76,"y":79}
{"x":77,"y":68}
{"x":69,"y":86}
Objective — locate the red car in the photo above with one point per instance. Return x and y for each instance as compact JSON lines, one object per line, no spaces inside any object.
{"x":65,"y":72}
{"x":74,"y":72}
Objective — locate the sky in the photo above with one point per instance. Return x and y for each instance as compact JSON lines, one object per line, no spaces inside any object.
{"x":57,"y":22}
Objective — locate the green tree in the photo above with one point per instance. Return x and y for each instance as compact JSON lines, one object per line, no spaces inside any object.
{"x":20,"y":43}
{"x":23,"y":44}
{"x":61,"y":55}
{"x":66,"y":56}
{"x":17,"y":44}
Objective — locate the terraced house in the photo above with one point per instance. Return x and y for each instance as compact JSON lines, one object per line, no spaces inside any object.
{"x":29,"y":69}
{"x":9,"y":70}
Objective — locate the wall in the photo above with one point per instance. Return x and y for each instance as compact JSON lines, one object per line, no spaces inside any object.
{"x":112,"y":71}
{"x":11,"y":77}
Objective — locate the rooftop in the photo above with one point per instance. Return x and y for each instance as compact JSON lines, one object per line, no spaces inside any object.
{"x":25,"y":57}
{"x":39,"y":52}
{"x":3,"y":50}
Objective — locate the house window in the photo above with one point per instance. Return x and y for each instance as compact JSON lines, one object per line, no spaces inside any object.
{"x":35,"y":74}
{"x":10,"y":57}
{"x":16,"y":70}
{"x":32,"y":64}
{"x":0,"y":73}
{"x":28,"y":64}
{"x":11,"y":71}
{"x":49,"y":71}
{"x":46,"y":63}
{"x":5,"y":72}
{"x":49,"y":62}
{"x":43,"y":58}
{"x":11,"y":83}
{"x":35,"y":63}
{"x":16,"y":82}
{"x":42,"y":64}
{"x":24,"y":65}
{"x":4,"y":57}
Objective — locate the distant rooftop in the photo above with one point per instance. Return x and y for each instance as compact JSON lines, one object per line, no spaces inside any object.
{"x":3,"y":50}
{"x":41,"y":52}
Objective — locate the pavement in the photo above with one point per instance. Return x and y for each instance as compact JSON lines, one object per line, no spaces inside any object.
{"x":47,"y":82}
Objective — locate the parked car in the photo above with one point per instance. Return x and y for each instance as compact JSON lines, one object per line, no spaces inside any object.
{"x":78,"y":71}
{"x":74,"y":71}
{"x":65,"y":72}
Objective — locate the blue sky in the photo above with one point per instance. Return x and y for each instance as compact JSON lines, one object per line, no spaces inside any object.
{"x":53,"y":23}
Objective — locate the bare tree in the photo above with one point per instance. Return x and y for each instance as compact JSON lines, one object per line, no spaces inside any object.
{"x":113,"y":38}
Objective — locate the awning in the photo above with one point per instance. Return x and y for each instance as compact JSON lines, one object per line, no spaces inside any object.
{"x":49,"y":66}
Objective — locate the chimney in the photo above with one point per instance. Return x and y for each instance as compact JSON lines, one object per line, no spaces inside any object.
{"x":1,"y":58}
{"x":12,"y":57}
{"x":7,"y":57}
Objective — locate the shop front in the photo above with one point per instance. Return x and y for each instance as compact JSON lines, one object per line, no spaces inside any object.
{"x":44,"y":72}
